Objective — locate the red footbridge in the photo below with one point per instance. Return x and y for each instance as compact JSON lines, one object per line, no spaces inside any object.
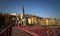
{"x":30,"y":31}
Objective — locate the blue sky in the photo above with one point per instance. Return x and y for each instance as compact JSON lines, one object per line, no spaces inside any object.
{"x":43,"y":8}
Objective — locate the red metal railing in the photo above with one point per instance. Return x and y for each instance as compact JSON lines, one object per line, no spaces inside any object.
{"x":34,"y":30}
{"x":49,"y":31}
{"x":6,"y":31}
{"x":42,"y":30}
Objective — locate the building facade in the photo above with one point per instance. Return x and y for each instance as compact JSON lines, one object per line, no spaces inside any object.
{"x":27,"y":19}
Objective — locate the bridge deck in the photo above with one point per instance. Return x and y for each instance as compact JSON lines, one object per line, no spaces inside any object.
{"x":30,"y":31}
{"x":35,"y":31}
{"x":17,"y":32}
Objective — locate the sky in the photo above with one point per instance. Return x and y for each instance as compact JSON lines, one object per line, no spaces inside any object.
{"x":42,"y":8}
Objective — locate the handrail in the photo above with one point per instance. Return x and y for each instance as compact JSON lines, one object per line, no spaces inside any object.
{"x":41,"y":31}
{"x":6,"y":31}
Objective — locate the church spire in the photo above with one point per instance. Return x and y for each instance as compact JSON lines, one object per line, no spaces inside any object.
{"x":24,"y":20}
{"x":23,"y":11}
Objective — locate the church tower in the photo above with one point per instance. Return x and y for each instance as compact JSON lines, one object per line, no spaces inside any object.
{"x":23,"y":12}
{"x":23,"y":17}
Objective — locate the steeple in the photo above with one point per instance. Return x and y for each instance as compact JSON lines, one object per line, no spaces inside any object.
{"x":24,"y":20}
{"x":23,"y":12}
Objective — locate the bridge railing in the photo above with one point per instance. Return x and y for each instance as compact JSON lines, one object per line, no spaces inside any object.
{"x":43,"y":30}
{"x":6,"y":31}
